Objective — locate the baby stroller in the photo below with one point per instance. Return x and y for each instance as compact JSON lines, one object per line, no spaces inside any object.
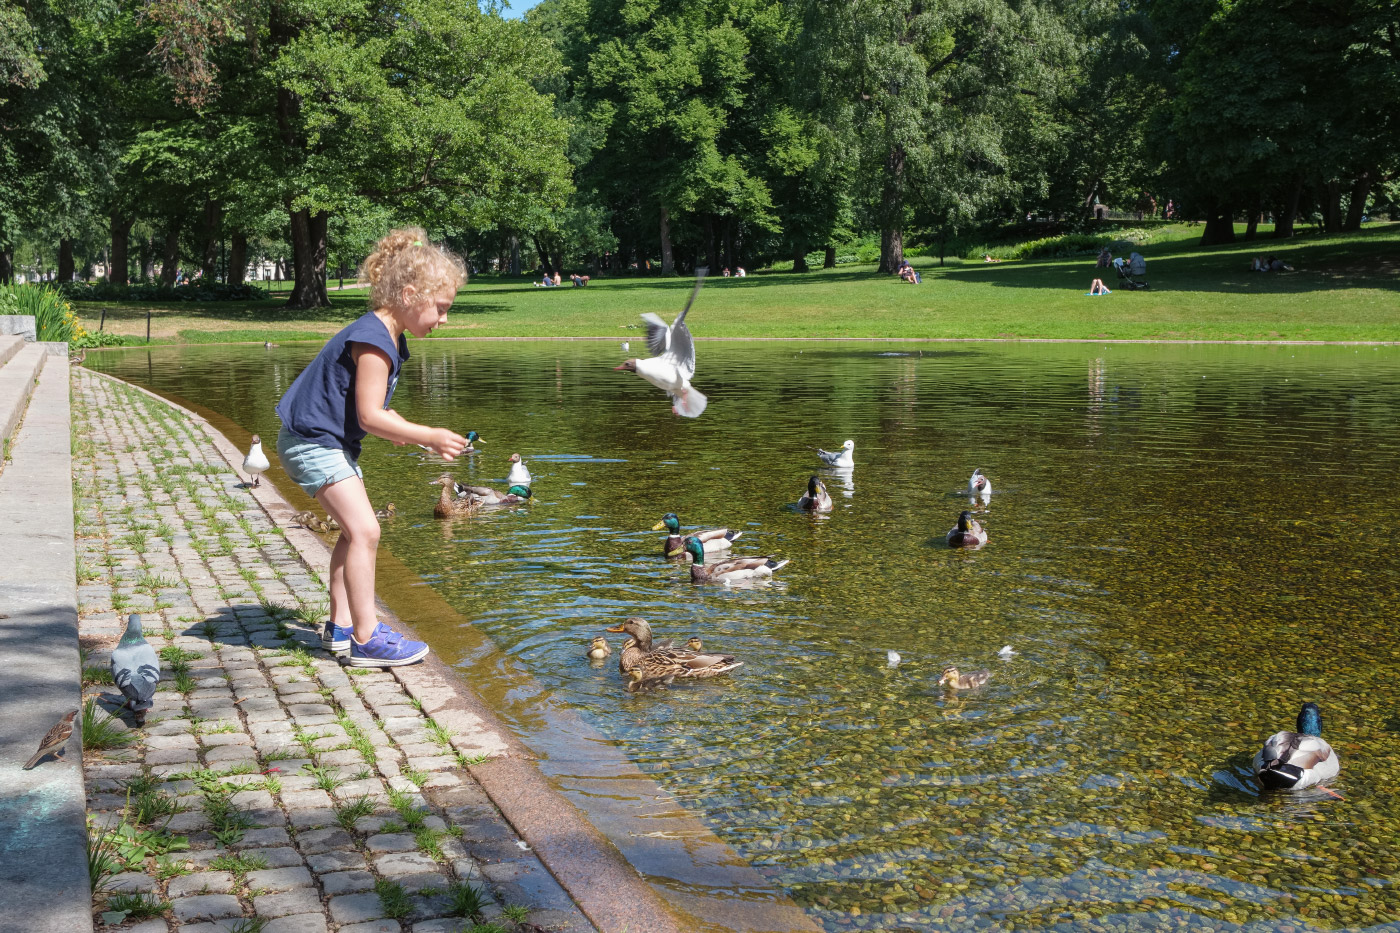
{"x":1132,"y":273}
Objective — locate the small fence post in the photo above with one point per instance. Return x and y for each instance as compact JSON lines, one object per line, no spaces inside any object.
{"x":148,"y":325}
{"x":102,"y":323}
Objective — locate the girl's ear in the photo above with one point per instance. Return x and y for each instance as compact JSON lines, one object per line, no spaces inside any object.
{"x":408,"y":295}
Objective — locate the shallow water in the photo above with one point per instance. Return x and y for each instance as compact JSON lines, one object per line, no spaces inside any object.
{"x":1186,"y":543}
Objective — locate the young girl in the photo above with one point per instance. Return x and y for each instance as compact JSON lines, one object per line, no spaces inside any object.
{"x":342,"y":396}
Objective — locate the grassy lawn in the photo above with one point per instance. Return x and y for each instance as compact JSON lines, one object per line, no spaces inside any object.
{"x":1346,"y":287}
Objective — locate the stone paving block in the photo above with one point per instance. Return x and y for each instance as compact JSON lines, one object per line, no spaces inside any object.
{"x":434,"y":763}
{"x":252,"y":799}
{"x":391,"y":842}
{"x":302,"y":900}
{"x":316,"y":841}
{"x":146,"y":926}
{"x":298,"y":923}
{"x":131,"y":882}
{"x":226,"y":738}
{"x":346,"y":882}
{"x":336,"y":861}
{"x":305,"y":799}
{"x":374,"y":926}
{"x":206,"y":907}
{"x":403,"y":863}
{"x":268,"y":836}
{"x":201,"y":882}
{"x":226,"y":754}
{"x":280,"y":857}
{"x":273,"y":880}
{"x":188,"y":822}
{"x":357,"y":908}
{"x":313,"y":818}
{"x":216,"y":926}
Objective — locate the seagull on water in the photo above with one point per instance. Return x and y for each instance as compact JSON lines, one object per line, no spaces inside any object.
{"x":256,"y":461}
{"x":672,"y":363}
{"x":519,"y":473}
{"x":841,"y":459}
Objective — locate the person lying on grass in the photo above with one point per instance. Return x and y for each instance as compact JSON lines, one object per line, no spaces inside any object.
{"x":1098,"y":288}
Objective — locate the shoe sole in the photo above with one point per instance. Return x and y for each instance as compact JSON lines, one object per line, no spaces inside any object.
{"x":335,"y":647}
{"x":397,"y":662}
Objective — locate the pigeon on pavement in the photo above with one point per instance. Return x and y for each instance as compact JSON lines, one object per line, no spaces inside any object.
{"x":136,"y":669}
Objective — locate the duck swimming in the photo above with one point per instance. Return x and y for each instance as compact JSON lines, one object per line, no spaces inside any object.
{"x":448,"y":505}
{"x":657,"y":662}
{"x":960,"y":681}
{"x":489,"y":496}
{"x":730,"y":569}
{"x":388,"y":512}
{"x":312,"y":521}
{"x":1295,"y":760}
{"x":472,"y":439}
{"x":816,"y":499}
{"x":714,"y":539}
{"x":968,"y":532}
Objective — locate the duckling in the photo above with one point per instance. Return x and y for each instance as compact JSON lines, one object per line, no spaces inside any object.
{"x":714,"y":539}
{"x":449,"y":506}
{"x":816,"y":499}
{"x":967,"y":533}
{"x":641,"y":683}
{"x":693,"y":643}
{"x":730,"y":569}
{"x":312,"y":521}
{"x":386,"y":513}
{"x":1295,"y":760}
{"x":519,"y":472}
{"x":657,"y":661}
{"x":600,"y":649}
{"x":960,"y":681}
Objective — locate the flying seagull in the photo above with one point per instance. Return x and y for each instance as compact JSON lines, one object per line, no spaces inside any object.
{"x":672,"y":363}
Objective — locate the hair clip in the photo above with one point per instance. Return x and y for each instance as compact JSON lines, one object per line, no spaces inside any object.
{"x":417,"y":242}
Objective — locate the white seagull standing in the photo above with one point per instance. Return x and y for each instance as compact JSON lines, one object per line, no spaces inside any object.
{"x":256,"y":461}
{"x":519,"y":473}
{"x":672,"y":362}
{"x":841,"y":459}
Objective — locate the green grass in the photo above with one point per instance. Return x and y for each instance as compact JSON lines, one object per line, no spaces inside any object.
{"x":1346,"y":287}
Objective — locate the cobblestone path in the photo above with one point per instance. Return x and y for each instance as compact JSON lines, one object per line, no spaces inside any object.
{"x":271,"y":789}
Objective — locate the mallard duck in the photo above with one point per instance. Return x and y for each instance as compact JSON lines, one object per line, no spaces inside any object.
{"x":77,"y":358}
{"x":388,"y":512}
{"x":472,"y":439}
{"x":715,"y":539}
{"x":1295,"y":760}
{"x":600,"y":649}
{"x":256,"y":462}
{"x":448,"y":505}
{"x":979,"y":485}
{"x":841,"y":459}
{"x":672,"y":363}
{"x":967,"y":533}
{"x":693,"y":643}
{"x":729,"y":569}
{"x":312,"y":521}
{"x":489,"y":496}
{"x":519,"y":473}
{"x":656,"y":662}
{"x":816,"y":499}
{"x":960,"y":681}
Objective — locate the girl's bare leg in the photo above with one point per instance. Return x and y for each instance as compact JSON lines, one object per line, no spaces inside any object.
{"x":352,"y":559}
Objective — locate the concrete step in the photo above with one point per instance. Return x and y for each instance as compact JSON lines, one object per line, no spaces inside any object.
{"x":10,"y":344}
{"x":16,"y":384}
{"x":43,"y":861}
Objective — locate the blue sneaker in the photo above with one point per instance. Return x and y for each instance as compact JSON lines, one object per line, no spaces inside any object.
{"x":334,"y":638}
{"x":386,"y":648}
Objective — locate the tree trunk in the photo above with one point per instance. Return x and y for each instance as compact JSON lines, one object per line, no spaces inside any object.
{"x":309,"y":260}
{"x":213,"y":220}
{"x":238,"y":259}
{"x":1220,"y":227}
{"x":170,"y":258}
{"x":1256,"y":207}
{"x":1284,"y":220}
{"x":830,"y":261}
{"x":1360,"y":190}
{"x":799,"y":258}
{"x":668,"y":260}
{"x":514,"y":254}
{"x":147,"y":250}
{"x":729,"y":259}
{"x":544,"y":254}
{"x":65,"y":260}
{"x":1332,"y":207}
{"x":892,"y":210}
{"x":117,"y":273}
{"x":7,"y":265}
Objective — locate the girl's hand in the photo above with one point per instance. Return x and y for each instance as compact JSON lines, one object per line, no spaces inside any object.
{"x":446,"y":444}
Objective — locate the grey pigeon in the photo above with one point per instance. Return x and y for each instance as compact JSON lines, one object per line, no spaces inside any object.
{"x":136,"y":668}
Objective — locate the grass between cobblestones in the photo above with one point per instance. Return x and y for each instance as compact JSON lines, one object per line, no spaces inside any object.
{"x":266,"y":781}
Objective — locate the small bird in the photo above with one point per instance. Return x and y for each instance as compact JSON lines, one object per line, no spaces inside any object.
{"x":841,"y":459}
{"x":256,"y":461}
{"x":816,"y":499}
{"x":641,"y":683}
{"x":626,"y":346}
{"x":77,"y":358}
{"x":519,"y":473}
{"x":979,"y":485}
{"x":389,"y":511}
{"x":1006,"y":653}
{"x":672,"y":363}
{"x":968,"y":532}
{"x":1295,"y":760}
{"x":136,"y":669}
{"x":693,"y":643}
{"x":312,"y":521}
{"x":960,"y":681}
{"x":714,"y":539}
{"x":892,"y":659}
{"x":53,"y":740}
{"x":600,"y":648}
{"x":729,"y":569}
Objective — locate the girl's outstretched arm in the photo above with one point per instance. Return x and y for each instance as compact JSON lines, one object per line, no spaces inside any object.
{"x":372,"y":368}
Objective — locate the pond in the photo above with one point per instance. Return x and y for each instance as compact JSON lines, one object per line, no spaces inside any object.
{"x":1186,"y":543}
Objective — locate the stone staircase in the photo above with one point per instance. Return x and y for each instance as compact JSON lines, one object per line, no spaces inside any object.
{"x":43,"y":857}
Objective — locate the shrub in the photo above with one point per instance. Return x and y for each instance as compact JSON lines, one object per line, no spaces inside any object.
{"x":54,"y":318}
{"x":198,"y":291}
{"x":98,"y":338}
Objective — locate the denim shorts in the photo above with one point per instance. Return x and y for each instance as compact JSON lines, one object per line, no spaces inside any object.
{"x":312,"y":466}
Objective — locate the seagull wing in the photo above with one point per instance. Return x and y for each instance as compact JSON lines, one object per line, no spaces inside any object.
{"x":658,"y":334}
{"x":683,"y":348}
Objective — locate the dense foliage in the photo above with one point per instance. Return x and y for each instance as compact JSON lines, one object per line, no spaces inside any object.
{"x":201,"y":136}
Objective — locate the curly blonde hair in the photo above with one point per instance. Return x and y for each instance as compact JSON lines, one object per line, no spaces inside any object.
{"x":407,"y":257}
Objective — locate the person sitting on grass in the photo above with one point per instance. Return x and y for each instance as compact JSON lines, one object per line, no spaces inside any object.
{"x":579,"y":280}
{"x":344,"y":394}
{"x":1105,"y":258}
{"x":1098,"y":288}
{"x":987,"y":257}
{"x":739,"y":272}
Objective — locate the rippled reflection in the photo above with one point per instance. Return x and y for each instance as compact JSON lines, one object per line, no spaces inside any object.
{"x":1185,"y":544}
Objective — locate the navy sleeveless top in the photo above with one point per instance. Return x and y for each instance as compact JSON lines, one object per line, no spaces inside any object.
{"x":320,"y":406}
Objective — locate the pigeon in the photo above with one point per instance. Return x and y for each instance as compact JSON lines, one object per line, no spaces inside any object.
{"x":841,"y":459}
{"x":892,"y":658}
{"x":256,"y":461}
{"x":1006,"y":653}
{"x":672,"y":363}
{"x":519,"y":473}
{"x":135,"y":669}
{"x":53,"y":740}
